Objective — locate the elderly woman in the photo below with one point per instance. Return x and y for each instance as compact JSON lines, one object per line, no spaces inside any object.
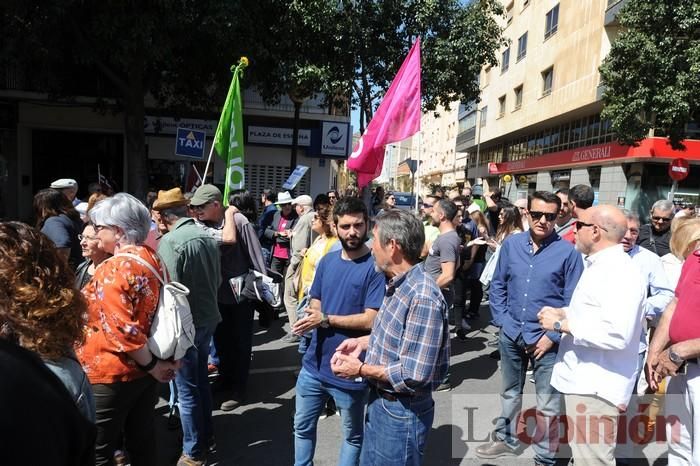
{"x":685,"y":238}
{"x":122,"y":299}
{"x":57,"y":218}
{"x":93,"y":253}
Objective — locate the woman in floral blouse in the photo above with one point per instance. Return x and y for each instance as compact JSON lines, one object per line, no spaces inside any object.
{"x":122,"y":299}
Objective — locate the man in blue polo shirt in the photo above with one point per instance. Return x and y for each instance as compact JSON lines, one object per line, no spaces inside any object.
{"x":535,"y":268}
{"x":346,"y":295}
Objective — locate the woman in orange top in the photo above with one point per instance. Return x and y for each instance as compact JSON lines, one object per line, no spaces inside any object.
{"x":122,"y":299}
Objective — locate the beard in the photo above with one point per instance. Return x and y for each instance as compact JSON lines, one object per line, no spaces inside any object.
{"x":352,"y":244}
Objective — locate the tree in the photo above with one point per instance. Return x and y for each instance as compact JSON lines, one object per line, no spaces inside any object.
{"x":652,"y":73}
{"x":171,"y":52}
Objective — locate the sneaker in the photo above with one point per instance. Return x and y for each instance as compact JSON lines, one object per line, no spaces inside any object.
{"x":290,"y":338}
{"x":444,"y":387}
{"x":495,"y":449}
{"x":211,"y":445}
{"x":232,"y":403}
{"x":186,"y":460}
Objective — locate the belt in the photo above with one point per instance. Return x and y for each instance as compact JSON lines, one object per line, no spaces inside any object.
{"x":389,"y":395}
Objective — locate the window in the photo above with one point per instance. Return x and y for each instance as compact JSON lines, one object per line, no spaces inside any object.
{"x":509,"y":13}
{"x":551,"y":22}
{"x":487,"y":75}
{"x":505,"y":59}
{"x":525,"y":3}
{"x":482,"y":122}
{"x":518,"y":91}
{"x":501,"y":106}
{"x":547,"y":78}
{"x":522,"y":47}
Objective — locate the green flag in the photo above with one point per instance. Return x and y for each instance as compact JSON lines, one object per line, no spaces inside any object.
{"x":228,"y":140}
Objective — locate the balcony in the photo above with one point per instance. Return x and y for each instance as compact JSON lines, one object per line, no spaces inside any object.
{"x":315,"y":106}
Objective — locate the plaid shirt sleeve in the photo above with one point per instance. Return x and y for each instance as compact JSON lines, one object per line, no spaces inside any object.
{"x":421,"y":345}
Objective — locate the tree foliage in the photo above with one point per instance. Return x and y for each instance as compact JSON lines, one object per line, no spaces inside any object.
{"x":652,"y":74}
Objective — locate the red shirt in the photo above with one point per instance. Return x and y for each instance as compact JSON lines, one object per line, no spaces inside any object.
{"x":279,"y":251}
{"x":685,"y":324}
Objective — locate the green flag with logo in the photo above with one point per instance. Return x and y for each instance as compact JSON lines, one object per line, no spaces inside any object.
{"x":228,"y":140}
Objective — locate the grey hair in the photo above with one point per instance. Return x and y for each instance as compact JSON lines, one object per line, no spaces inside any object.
{"x":178,"y":212}
{"x":663,"y":205}
{"x":629,"y":215}
{"x":126,"y":212}
{"x":404,"y":228}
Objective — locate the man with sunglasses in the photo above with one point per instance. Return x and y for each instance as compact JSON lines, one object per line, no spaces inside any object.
{"x":536,"y":268}
{"x":656,"y":235}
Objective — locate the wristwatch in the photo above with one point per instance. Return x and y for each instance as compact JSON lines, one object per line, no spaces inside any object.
{"x":557,"y":326}
{"x":675,"y":357}
{"x":325,"y":323}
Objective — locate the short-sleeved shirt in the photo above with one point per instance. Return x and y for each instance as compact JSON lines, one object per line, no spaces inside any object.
{"x":444,"y":249}
{"x":64,"y":231}
{"x":344,"y":287}
{"x":685,"y":324}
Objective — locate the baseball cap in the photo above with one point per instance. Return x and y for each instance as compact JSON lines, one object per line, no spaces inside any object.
{"x":477,"y":190}
{"x":474,"y":207}
{"x":205,"y":193}
{"x":64,"y":183}
{"x":304,"y":200}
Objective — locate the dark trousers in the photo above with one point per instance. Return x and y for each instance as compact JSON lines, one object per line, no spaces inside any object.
{"x":125,"y":413}
{"x":280,"y":266}
{"x":234,"y":342}
{"x":460,"y":294}
{"x":476,"y":295}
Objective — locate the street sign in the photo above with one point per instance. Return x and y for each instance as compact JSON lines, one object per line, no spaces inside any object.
{"x":679,"y":169}
{"x":190,"y":143}
{"x":295,"y":177}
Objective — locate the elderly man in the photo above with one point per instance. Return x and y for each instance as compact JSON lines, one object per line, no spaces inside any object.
{"x":655,"y":236}
{"x":192,"y":258}
{"x":535,"y":268}
{"x":69,"y":188}
{"x":597,"y":360}
{"x":301,"y":238}
{"x":407,"y":352}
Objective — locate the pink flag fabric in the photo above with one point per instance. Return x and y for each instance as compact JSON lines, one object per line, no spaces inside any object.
{"x":397,"y":118}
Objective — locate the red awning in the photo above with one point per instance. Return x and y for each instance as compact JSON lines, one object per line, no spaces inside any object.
{"x":650,"y":148}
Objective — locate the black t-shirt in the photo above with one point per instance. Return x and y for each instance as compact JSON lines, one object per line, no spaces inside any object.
{"x":40,"y":423}
{"x":653,"y":241}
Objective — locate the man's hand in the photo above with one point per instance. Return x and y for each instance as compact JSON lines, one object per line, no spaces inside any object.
{"x":664,"y":366}
{"x":540,"y":348}
{"x":309,"y":322}
{"x":653,"y":379}
{"x":549,"y":315}
{"x":164,"y":371}
{"x":350,"y":347}
{"x":345,"y":365}
{"x":231,"y":211}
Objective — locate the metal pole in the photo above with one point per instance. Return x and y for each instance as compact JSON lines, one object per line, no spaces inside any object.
{"x":672,"y":193}
{"x":417,"y":170}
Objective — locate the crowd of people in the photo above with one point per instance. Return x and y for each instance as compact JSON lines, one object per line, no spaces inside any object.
{"x":597,"y":305}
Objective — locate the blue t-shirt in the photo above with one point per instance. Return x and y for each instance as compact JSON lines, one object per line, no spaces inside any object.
{"x":344,"y":287}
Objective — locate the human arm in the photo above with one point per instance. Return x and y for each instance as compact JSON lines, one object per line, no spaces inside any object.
{"x":490,"y":204}
{"x":314,"y":316}
{"x":229,"y":233}
{"x":498,"y":294}
{"x":162,"y":371}
{"x":660,"y":290}
{"x":447,"y":274}
{"x":270,"y":232}
{"x":658,"y":344}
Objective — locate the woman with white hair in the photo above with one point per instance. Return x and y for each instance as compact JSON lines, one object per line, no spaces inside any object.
{"x":122,"y":299}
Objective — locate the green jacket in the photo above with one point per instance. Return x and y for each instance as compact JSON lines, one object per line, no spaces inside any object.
{"x":192,"y":258}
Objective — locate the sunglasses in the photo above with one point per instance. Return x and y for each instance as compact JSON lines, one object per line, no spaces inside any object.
{"x":332,"y":196}
{"x":550,"y":217}
{"x":656,"y":218}
{"x":427,"y":206}
{"x":580,"y":225}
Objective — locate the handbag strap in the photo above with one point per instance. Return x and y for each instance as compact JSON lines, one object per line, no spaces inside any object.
{"x":146,"y":264}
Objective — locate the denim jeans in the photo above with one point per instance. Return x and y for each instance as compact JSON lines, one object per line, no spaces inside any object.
{"x":311,"y":397}
{"x":514,"y":361}
{"x":194,"y":395}
{"x":396,"y":431}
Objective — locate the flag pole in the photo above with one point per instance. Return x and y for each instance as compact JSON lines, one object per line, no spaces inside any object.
{"x":206,"y":169}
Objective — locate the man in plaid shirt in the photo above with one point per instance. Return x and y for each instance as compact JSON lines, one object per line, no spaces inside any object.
{"x":407,"y":352}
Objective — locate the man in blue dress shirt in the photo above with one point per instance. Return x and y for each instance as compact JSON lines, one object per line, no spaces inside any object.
{"x":536,"y":268}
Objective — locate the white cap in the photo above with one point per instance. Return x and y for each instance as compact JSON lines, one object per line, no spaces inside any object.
{"x":473,"y":207}
{"x":304,"y":200}
{"x":64,"y":183}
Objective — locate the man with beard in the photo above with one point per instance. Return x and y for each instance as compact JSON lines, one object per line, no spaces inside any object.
{"x":345,"y":297}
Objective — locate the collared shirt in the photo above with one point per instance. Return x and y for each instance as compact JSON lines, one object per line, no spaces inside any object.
{"x":599,"y":356}
{"x":685,"y":324}
{"x":526,"y":280}
{"x":192,"y":258}
{"x":565,"y":229}
{"x":410,"y":334}
{"x":659,"y":290}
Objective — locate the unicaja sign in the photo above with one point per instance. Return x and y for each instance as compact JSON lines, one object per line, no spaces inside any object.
{"x":334,"y":140}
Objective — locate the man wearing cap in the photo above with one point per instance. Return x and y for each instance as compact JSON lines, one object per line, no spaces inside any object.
{"x":301,"y":238}
{"x":192,"y":258}
{"x":277,"y":234}
{"x":69,"y":188}
{"x":240,"y":251}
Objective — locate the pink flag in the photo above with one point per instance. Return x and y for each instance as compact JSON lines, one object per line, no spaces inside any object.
{"x":397,"y":118}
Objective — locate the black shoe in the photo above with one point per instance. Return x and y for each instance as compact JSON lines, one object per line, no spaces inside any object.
{"x":221,"y":385}
{"x":462,"y":334}
{"x":495,"y":449}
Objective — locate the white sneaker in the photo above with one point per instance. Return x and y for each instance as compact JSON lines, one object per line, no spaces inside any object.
{"x":465,"y":325}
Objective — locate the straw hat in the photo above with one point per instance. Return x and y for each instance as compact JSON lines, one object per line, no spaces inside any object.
{"x":168,"y":199}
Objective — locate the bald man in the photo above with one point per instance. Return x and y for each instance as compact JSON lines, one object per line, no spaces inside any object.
{"x":597,"y":359}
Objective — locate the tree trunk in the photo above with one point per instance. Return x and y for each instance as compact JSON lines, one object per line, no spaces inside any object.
{"x":295,"y":134}
{"x":136,"y":161}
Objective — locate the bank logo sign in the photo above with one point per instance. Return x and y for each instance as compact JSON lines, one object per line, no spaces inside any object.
{"x":334,"y":139}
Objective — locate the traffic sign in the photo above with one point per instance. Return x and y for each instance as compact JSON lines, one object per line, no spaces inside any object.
{"x":679,"y":169}
{"x":190,"y":143}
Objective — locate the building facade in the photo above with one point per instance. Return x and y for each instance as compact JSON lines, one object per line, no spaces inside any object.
{"x":539,"y":114}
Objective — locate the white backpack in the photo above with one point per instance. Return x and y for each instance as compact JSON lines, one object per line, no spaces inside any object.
{"x":172,"y":330}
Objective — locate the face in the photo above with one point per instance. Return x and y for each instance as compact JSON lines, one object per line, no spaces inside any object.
{"x":541,"y":226}
{"x":70,"y":193}
{"x":332,"y":198}
{"x":661,"y":219}
{"x":286,"y":209}
{"x":162,"y":227}
{"x":299,"y":209}
{"x":317,"y":225}
{"x":89,"y":243}
{"x":382,"y":254}
{"x":208,"y":212}
{"x":565,"y":210}
{"x":436,"y":216}
{"x":630,"y":238}
{"x":352,"y":231}
{"x":586,"y":232}
{"x":427,"y":207}
{"x":108,"y":236}
{"x":391,"y":200}
{"x":458,"y":218}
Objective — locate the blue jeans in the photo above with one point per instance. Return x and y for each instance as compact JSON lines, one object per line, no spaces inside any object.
{"x":514,"y":361}
{"x":311,"y":397}
{"x":396,"y":431}
{"x":194,"y":395}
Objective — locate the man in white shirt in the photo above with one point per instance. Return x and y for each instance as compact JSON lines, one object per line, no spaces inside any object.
{"x":597,"y":360}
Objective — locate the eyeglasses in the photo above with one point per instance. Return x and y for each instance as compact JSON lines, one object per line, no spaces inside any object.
{"x":580,"y":225}
{"x":656,"y":218}
{"x":99,"y":228}
{"x":88,"y":238}
{"x":550,"y":217}
{"x":199,"y":208}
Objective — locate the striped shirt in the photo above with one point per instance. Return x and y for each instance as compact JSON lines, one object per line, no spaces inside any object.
{"x":410,"y":334}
